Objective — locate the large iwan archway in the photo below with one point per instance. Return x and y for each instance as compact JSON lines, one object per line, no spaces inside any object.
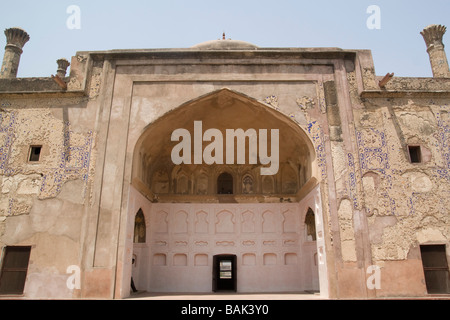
{"x":199,"y":209}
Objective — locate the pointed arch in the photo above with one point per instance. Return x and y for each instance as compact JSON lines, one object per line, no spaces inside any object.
{"x":222,"y":110}
{"x":225,"y":183}
{"x":310,"y":224}
{"x":140,"y":229}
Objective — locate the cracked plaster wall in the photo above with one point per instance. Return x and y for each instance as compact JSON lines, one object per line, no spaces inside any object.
{"x":43,"y":203}
{"x":406,"y":203}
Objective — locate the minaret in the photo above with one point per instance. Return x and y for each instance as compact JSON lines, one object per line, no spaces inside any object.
{"x":63,"y":64}
{"x":15,"y":40}
{"x":433,"y":38}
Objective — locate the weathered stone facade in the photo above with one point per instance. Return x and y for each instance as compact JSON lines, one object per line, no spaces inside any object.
{"x":346,"y":141}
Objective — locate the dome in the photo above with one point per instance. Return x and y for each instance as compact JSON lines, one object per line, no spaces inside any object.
{"x":225,"y":45}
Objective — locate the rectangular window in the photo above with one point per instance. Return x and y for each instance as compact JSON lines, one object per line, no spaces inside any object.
{"x":435,"y":267}
{"x":415,"y":155}
{"x":35,"y":153}
{"x":14,"y":270}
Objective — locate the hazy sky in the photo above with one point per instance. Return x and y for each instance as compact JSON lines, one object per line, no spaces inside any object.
{"x":397,"y":45}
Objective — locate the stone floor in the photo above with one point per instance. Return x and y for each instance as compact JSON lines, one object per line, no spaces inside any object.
{"x":142,"y":295}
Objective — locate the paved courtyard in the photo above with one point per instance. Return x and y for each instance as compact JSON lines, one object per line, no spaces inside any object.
{"x":225,"y":296}
{"x":143,"y":295}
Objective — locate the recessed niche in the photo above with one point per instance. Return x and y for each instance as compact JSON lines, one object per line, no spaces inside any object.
{"x":180,"y":260}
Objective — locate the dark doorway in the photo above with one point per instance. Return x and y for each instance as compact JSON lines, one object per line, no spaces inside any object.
{"x":14,"y":270}
{"x":435,"y":267}
{"x":225,"y":183}
{"x":224,"y":273}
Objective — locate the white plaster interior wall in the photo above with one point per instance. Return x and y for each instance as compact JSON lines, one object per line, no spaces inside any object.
{"x":273,"y":254}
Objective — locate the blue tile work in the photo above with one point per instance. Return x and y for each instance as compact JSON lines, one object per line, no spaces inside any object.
{"x":313,"y":128}
{"x":317,"y":136}
{"x":352,"y":181}
{"x":7,"y":124}
{"x":373,"y":156}
{"x":442,"y":135}
{"x":411,"y":202}
{"x":442,"y":169}
{"x":74,"y":163}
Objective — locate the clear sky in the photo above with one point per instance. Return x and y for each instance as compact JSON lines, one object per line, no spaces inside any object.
{"x":397,"y":45}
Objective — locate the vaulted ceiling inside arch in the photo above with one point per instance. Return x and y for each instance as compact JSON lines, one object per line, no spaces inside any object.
{"x":222,"y":110}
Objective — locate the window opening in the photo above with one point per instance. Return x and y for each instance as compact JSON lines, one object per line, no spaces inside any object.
{"x":415,"y":154}
{"x":225,"y":183}
{"x":14,"y":270}
{"x":435,"y":267}
{"x":35,"y":153}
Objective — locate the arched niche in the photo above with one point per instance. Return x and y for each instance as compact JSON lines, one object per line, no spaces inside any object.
{"x":225,"y":183}
{"x":221,"y":111}
{"x":140,"y":230}
{"x":310,"y":224}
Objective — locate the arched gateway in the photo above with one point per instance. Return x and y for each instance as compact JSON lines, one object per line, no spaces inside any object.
{"x":200,"y":176}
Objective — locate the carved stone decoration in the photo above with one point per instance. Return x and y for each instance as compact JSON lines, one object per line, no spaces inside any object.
{"x":161,"y":182}
{"x":247,"y":184}
{"x":433,"y":35}
{"x":16,"y":38}
{"x":288,"y":180}
{"x":225,"y":222}
{"x":201,"y":222}
{"x":182,"y":184}
{"x":272,"y":100}
{"x":305,"y":103}
{"x":268,"y":185}
{"x":202,"y":184}
{"x":248,"y":223}
{"x":321,"y":97}
{"x":161,"y":225}
{"x":81,"y":58}
{"x":225,"y":243}
{"x":248,"y":243}
{"x":289,"y":224}
{"x":63,"y":64}
{"x":270,"y":222}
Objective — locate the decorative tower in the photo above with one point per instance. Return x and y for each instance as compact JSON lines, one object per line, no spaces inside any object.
{"x":63,"y":64}
{"x":433,"y":38}
{"x":15,"y":40}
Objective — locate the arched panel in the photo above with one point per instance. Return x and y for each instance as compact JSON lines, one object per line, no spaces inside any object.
{"x":140,"y":229}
